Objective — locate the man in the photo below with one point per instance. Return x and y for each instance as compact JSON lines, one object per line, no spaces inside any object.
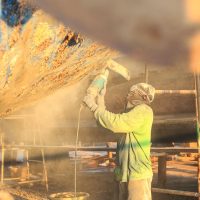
{"x":133,"y":171}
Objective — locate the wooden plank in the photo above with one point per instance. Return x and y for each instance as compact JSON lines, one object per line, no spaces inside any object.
{"x":176,"y":192}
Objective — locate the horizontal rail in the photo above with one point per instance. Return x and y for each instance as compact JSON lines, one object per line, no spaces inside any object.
{"x":36,"y":161}
{"x":31,"y":181}
{"x":176,"y":192}
{"x":175,"y":91}
{"x":112,"y":149}
{"x":174,"y":150}
{"x":9,"y":179}
{"x":17,"y":117}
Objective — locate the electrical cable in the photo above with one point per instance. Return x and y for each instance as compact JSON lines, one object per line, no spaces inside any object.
{"x":76,"y":145}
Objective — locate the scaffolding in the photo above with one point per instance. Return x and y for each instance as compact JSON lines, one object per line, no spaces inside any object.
{"x":160,"y":152}
{"x":11,"y":148}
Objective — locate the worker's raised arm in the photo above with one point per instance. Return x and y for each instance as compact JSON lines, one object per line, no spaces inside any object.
{"x":132,"y":121}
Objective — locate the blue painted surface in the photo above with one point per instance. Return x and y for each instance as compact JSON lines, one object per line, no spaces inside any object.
{"x":10,"y":12}
{"x":27,"y":14}
{"x":0,"y":18}
{"x":13,"y":15}
{"x":0,"y":7}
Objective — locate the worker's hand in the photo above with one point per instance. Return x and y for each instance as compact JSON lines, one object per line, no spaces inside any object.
{"x":100,"y":101}
{"x":90,"y":102}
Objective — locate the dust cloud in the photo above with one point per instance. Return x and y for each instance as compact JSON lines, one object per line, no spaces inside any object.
{"x":57,"y":115}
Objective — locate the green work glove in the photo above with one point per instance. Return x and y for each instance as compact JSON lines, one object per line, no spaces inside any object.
{"x":101,"y":97}
{"x":98,"y":83}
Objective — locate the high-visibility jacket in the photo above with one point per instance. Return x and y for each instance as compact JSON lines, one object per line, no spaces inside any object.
{"x":133,"y":151}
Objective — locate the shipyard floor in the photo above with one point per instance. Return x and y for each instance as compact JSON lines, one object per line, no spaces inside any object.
{"x":181,"y":175}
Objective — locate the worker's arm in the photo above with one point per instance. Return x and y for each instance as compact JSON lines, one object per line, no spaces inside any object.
{"x":133,"y":121}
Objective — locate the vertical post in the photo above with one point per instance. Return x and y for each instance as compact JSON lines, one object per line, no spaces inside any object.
{"x":162,"y":167}
{"x":27,"y":165}
{"x":109,"y":153}
{"x":45,"y":171}
{"x":197,"y":103}
{"x":34,"y":138}
{"x":192,"y":8}
{"x":146,"y":74}
{"x":2,"y":159}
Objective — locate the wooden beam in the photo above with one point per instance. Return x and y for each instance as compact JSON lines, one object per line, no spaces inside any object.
{"x":176,"y":192}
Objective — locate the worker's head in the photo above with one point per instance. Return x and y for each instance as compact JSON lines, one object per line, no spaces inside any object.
{"x":140,"y":93}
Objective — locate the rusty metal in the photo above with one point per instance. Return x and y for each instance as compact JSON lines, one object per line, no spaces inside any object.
{"x":132,"y":27}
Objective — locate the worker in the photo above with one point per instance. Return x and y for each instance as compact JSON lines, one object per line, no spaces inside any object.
{"x":133,"y":172}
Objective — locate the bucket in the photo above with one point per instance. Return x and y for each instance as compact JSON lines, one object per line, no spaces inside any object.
{"x":69,"y":196}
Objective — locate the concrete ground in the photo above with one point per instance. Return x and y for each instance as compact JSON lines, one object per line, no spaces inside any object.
{"x":98,"y":183}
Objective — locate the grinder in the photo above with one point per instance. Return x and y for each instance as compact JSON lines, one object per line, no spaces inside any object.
{"x":98,"y":83}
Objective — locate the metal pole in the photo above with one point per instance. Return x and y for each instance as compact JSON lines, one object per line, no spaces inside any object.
{"x":197,"y":103}
{"x":168,"y":150}
{"x":146,"y":74}
{"x":2,"y":159}
{"x":76,"y":148}
{"x":176,"y":92}
{"x":27,"y":164}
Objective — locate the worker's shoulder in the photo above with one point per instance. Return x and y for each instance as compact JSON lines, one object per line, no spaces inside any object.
{"x":143,"y":108}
